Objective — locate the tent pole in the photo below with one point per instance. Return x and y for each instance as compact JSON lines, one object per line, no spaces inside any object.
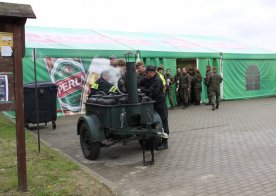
{"x":221,"y":73}
{"x":36,"y":102}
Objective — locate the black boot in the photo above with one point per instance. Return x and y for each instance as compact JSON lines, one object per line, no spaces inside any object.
{"x":163,"y":145}
{"x":217,"y":106}
{"x":213,"y":107}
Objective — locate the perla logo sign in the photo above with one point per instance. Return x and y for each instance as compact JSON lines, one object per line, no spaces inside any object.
{"x":70,"y":77}
{"x":70,"y":85}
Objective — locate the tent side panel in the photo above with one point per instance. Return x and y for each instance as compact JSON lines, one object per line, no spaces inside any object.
{"x":244,"y":79}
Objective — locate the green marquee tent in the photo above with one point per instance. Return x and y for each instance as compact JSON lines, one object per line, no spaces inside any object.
{"x":247,"y":71}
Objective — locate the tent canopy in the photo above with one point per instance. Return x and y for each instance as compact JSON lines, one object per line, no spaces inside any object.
{"x":89,"y":42}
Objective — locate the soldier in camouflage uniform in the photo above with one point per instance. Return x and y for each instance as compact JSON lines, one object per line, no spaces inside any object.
{"x":197,"y":79}
{"x":213,"y":81}
{"x":208,"y":72}
{"x":184,"y":85}
{"x":190,"y":92}
{"x":176,"y":81}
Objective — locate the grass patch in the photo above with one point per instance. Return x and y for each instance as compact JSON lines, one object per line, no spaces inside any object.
{"x":48,"y":172}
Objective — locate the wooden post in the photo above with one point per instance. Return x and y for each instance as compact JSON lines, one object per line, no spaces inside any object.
{"x":19,"y":104}
{"x":12,"y":21}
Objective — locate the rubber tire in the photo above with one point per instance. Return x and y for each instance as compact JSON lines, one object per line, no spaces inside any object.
{"x":27,"y":126}
{"x":90,"y":150}
{"x":54,"y":126}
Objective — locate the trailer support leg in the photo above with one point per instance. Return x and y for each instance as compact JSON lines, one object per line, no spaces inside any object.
{"x":151,"y":162}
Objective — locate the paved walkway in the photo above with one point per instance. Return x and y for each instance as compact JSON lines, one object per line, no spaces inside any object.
{"x":230,"y":151}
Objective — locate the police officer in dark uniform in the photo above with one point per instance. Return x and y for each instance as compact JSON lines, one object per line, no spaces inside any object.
{"x":153,"y":87}
{"x":102,"y":85}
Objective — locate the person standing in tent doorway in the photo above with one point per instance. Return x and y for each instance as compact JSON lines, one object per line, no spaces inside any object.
{"x":213,"y":81}
{"x":184,"y":85}
{"x":197,"y":79}
{"x":169,"y":82}
{"x":176,"y":81}
{"x":208,"y":72}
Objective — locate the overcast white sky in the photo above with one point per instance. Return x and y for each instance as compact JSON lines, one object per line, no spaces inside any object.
{"x":248,"y":21}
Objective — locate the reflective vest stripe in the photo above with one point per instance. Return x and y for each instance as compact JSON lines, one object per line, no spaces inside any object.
{"x":95,"y":86}
{"x":113,"y":89}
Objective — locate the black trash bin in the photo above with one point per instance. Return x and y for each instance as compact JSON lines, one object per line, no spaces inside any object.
{"x":47,"y":103}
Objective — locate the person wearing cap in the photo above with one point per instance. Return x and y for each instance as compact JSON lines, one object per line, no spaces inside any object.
{"x":213,"y":81}
{"x":153,"y":88}
{"x":113,"y":61}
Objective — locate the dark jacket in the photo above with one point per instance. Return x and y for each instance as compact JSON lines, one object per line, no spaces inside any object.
{"x":102,"y":85}
{"x":153,"y":88}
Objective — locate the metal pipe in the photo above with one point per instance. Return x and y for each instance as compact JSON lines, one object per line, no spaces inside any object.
{"x":36,"y":102}
{"x":131,"y":83}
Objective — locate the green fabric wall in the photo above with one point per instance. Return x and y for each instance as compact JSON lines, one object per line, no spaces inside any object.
{"x":235,"y":78}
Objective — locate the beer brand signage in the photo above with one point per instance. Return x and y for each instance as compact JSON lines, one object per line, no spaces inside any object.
{"x":74,"y":80}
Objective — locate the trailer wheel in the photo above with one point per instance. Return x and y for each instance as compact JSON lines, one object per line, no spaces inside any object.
{"x":90,"y":150}
{"x":27,"y":126}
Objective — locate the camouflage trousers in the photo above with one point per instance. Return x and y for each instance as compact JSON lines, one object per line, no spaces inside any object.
{"x":215,"y":96}
{"x":197,"y":95}
{"x":184,"y":94}
{"x":169,"y":94}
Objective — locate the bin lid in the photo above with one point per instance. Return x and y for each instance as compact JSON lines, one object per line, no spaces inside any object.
{"x":40,"y":84}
